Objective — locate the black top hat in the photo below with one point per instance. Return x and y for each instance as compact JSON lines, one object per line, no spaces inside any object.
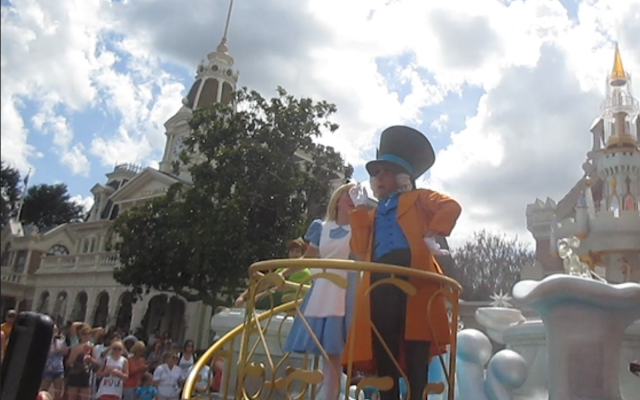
{"x":403,"y":149}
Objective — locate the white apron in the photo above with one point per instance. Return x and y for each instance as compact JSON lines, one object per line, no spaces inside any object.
{"x":327,"y":299}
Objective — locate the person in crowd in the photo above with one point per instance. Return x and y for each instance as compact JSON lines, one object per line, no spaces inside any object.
{"x":268,"y":299}
{"x":44,"y":395}
{"x":168,"y":378}
{"x":129,"y":341}
{"x":326,"y":308}
{"x":73,"y":329}
{"x":401,"y":231}
{"x":156,"y":337}
{"x":7,"y":325}
{"x":6,"y":328}
{"x":137,"y":369}
{"x":155,"y":356}
{"x":53,"y":375}
{"x":217,"y":371}
{"x":101,"y":342}
{"x":204,"y":382}
{"x":187,"y":357}
{"x":146,"y":390}
{"x":113,"y":371}
{"x":141,"y":334}
{"x":80,"y":365}
{"x":635,"y":367}
{"x":3,"y":344}
{"x":166,"y":348}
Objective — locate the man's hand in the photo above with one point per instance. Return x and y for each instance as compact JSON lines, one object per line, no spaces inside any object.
{"x":240,"y":302}
{"x":359,"y":195}
{"x":435,"y":247}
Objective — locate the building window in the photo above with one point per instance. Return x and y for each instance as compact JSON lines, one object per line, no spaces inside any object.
{"x":6,"y":255}
{"x":58,"y":250}
{"x":20,"y":261}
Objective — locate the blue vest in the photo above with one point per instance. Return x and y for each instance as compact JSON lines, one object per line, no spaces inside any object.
{"x":387,"y":234}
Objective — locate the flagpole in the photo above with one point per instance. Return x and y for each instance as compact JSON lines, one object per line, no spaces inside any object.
{"x":24,"y":193}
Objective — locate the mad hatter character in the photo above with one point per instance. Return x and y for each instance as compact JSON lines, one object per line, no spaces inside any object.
{"x":400,"y":231}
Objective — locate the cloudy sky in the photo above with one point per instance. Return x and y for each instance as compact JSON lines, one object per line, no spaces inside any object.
{"x":506,"y":90}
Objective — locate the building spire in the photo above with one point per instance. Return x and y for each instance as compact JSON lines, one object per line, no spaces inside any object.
{"x":222,"y":47}
{"x":618,"y":75}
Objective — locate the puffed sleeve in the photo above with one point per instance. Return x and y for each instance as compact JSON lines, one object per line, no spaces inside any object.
{"x":313,"y":233}
{"x":444,"y":211}
{"x":361,"y":230}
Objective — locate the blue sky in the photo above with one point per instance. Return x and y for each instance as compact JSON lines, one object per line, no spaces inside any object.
{"x":106,"y":76}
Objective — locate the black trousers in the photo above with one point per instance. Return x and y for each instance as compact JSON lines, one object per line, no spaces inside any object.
{"x":388,"y":314}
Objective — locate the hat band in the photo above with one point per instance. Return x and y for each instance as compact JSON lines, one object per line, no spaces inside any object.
{"x":395,"y":159}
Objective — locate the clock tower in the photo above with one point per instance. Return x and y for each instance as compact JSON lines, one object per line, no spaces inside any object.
{"x":215,"y":81}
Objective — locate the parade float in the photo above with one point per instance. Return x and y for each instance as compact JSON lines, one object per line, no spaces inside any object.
{"x":587,"y":303}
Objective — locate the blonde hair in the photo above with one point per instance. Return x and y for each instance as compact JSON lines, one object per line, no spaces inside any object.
{"x":137,"y":346}
{"x":117,"y":343}
{"x":332,"y":207}
{"x":170,"y":354}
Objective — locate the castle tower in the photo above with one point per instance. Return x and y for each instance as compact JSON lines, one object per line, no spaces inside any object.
{"x":619,"y":167}
{"x":215,"y":82}
{"x":603,"y":208}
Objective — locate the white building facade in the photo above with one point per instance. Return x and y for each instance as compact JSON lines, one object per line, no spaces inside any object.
{"x":67,"y":271}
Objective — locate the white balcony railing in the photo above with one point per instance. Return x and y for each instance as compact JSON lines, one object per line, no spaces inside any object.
{"x":79,"y":262}
{"x":8,"y":275}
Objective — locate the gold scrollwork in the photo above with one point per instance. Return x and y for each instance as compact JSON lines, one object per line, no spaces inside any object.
{"x":309,"y":377}
{"x":433,"y":387}
{"x":382,"y":383}
{"x":266,"y":372}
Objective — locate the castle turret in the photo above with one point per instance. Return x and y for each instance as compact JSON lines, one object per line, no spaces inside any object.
{"x":603,"y":208}
{"x":620,"y":166}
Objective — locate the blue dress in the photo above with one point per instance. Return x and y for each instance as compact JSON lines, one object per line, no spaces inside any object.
{"x":326,"y":308}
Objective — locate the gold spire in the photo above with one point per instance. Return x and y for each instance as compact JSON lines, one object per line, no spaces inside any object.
{"x":222,"y":47}
{"x":617,"y":73}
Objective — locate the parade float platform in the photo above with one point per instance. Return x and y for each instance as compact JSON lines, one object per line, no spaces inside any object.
{"x":578,"y":349}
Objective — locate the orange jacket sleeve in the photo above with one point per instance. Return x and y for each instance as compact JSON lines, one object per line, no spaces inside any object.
{"x":361,"y":223}
{"x":444,"y":210}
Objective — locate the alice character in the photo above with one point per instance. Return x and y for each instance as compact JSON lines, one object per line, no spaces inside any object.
{"x":401,"y":231}
{"x":326,"y":307}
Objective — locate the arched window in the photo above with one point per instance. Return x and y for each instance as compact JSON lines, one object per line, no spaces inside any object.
{"x":58,"y":250}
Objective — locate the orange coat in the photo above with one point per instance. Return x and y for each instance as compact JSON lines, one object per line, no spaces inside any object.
{"x":419,"y":211}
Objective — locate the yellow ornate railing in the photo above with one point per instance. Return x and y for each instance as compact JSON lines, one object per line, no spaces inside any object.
{"x":254,"y":365}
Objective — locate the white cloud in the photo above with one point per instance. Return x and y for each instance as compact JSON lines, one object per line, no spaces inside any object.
{"x":123,"y":149}
{"x":540,"y":71}
{"x":57,"y":54}
{"x":76,"y":159}
{"x":440,"y":123}
{"x":85,"y":202}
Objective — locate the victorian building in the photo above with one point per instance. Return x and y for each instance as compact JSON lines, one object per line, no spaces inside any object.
{"x":602,"y":209}
{"x":67,"y":271}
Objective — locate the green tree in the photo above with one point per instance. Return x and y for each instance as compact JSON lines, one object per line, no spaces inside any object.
{"x":487,"y":264}
{"x":10,"y":192}
{"x":46,"y":206}
{"x":250,"y":195}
